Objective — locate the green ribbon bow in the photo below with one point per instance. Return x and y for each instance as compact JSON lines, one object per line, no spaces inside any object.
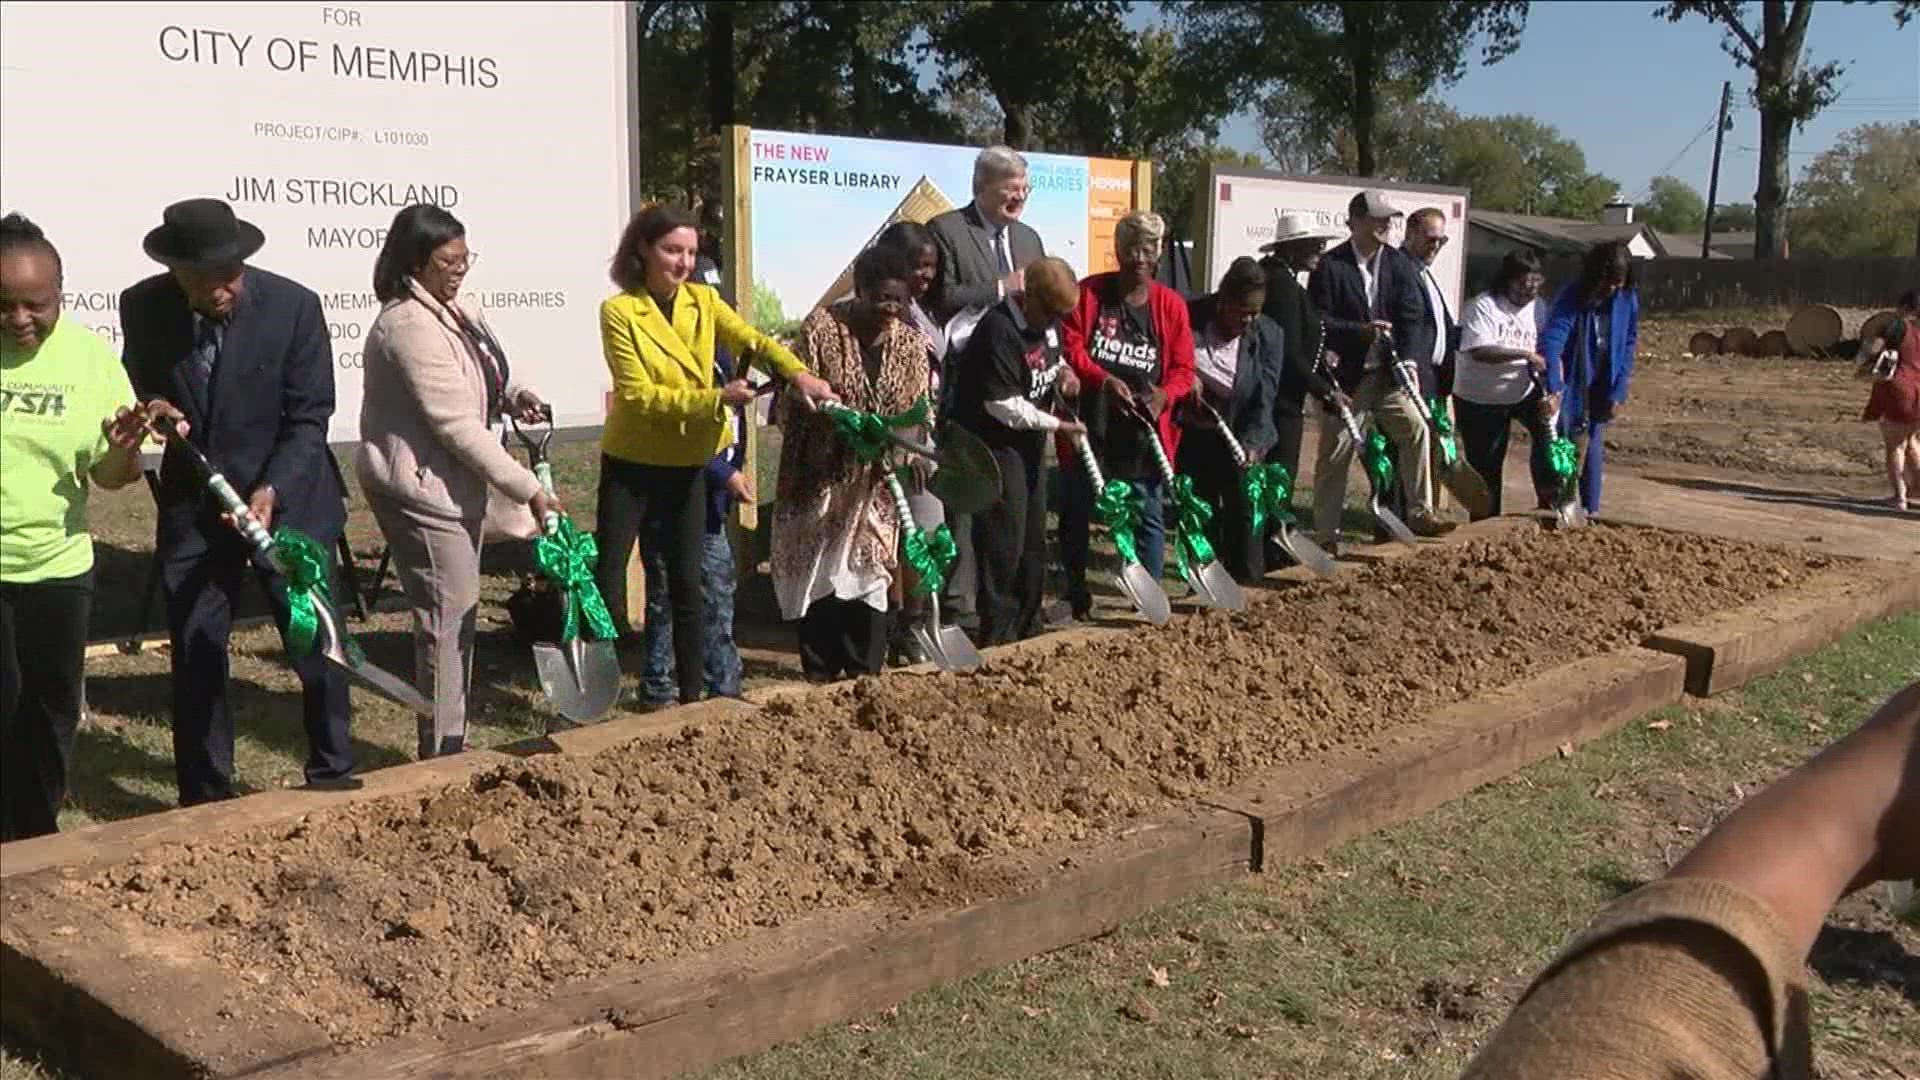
{"x":1379,"y":465}
{"x":1120,"y":513}
{"x":1443,"y":430}
{"x":1269,"y":489}
{"x":866,"y":432}
{"x":1563,"y":460}
{"x":308,"y":569}
{"x":566,"y":556}
{"x":931,"y":554}
{"x":1191,"y":514}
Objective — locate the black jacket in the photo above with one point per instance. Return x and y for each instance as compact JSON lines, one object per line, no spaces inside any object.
{"x":271,"y":401}
{"x":1443,"y":322}
{"x":1249,"y":409}
{"x":1289,"y":305}
{"x":1340,"y":293}
{"x":968,"y":267}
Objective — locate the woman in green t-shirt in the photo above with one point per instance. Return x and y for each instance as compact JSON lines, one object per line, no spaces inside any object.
{"x":67,"y":420}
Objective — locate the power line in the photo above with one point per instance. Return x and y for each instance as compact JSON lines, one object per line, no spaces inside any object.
{"x":1667,"y":169}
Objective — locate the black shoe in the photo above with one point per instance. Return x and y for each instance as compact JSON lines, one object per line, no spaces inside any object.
{"x":1080,"y":602}
{"x":334,"y":783}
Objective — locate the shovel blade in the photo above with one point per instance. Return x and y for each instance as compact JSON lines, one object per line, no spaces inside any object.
{"x":1470,"y":488}
{"x":1306,"y":552}
{"x":580,"y":679}
{"x":1149,"y":599}
{"x":1391,"y":522}
{"x":1569,"y":515}
{"x":949,"y":646}
{"x":1216,"y":588}
{"x":374,"y":677}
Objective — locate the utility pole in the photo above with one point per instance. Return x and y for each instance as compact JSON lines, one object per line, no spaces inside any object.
{"x":1713,"y":182}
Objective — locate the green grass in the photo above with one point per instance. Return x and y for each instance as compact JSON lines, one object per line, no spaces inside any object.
{"x":1395,"y":954}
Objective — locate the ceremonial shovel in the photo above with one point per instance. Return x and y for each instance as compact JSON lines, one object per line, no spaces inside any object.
{"x":1388,"y":520}
{"x":949,"y":646}
{"x":1208,"y":580}
{"x":1297,"y":544}
{"x":1462,"y":479}
{"x":1149,"y":599}
{"x":332,"y":644}
{"x":580,"y":678}
{"x":1567,"y":511}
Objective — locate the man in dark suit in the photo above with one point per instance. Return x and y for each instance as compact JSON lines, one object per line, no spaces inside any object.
{"x":242,"y":358}
{"x":1439,"y":333}
{"x":1368,"y":293}
{"x":984,"y":250}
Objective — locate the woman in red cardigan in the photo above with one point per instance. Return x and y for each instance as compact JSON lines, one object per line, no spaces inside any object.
{"x":1129,"y":342}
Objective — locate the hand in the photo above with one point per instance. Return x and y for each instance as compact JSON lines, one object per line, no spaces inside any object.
{"x":125,"y":429}
{"x":737,"y":392}
{"x":1015,"y":282}
{"x":1119,"y":390}
{"x":1376,"y":329}
{"x":530,"y":409}
{"x":1072,"y":428}
{"x":1157,"y":402}
{"x":543,"y":504}
{"x":1341,"y":402}
{"x":260,"y":505}
{"x":814,"y":389}
{"x":1537,"y":363}
{"x":161,"y":414}
{"x":1068,"y":385}
{"x":740,"y":486}
{"x":1549,"y":404}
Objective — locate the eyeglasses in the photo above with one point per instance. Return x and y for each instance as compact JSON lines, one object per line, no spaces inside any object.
{"x":1437,"y":241}
{"x":457,"y":266}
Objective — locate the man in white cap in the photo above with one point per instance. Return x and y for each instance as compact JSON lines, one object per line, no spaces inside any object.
{"x":1368,"y":294}
{"x":1298,"y":241}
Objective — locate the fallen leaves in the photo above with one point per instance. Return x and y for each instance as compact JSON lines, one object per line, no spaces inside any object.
{"x":1566,"y":750}
{"x":1158,"y":976}
{"x":1659,"y":725}
{"x":1140,"y":1010}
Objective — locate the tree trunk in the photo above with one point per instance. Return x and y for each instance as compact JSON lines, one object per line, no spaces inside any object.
{"x":720,"y":65}
{"x":1770,"y":198}
{"x":1357,"y":18}
{"x":1014,"y":126}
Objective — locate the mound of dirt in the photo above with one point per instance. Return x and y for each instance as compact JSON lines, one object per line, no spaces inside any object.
{"x":410,"y":914}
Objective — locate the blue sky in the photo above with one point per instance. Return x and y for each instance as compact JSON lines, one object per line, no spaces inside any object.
{"x":1634,"y":91}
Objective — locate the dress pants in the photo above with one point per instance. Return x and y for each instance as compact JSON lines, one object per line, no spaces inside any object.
{"x":1010,"y":549}
{"x":1076,"y":517}
{"x":1396,"y":415}
{"x":200,"y":587}
{"x":437,"y":562}
{"x":717,"y":574}
{"x":43,"y":646}
{"x":1217,"y":478}
{"x":670,"y":501}
{"x":1485,"y":431}
{"x":842,"y":638}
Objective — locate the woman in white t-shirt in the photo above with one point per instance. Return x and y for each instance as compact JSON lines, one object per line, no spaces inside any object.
{"x":1500,"y":375}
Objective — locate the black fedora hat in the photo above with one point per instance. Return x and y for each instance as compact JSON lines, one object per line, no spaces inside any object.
{"x":202,"y":232}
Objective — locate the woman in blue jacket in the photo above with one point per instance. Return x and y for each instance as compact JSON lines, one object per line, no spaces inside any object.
{"x":1588,"y":344}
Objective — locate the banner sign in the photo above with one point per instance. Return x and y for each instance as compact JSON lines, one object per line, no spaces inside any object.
{"x":318,"y":122}
{"x":818,"y":200}
{"x":1244,"y":205}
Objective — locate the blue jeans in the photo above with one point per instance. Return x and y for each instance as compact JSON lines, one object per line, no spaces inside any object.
{"x":658,"y":685}
{"x":1076,"y":513}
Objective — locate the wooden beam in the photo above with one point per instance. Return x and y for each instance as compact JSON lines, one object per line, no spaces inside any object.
{"x":736,"y":248}
{"x":1143,"y":185}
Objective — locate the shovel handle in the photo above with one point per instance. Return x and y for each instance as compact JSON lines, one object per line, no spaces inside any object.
{"x":1087,"y":459}
{"x":1139,"y":412}
{"x":1233,"y":442}
{"x":900,"y":505}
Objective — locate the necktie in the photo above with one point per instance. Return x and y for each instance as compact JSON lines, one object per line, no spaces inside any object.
{"x":1000,"y":250}
{"x":206,"y":350}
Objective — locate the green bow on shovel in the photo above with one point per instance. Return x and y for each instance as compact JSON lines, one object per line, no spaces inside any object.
{"x":1190,"y":515}
{"x":931,"y":554}
{"x":1443,"y":428}
{"x":566,"y":556}
{"x":1120,"y":513}
{"x":1269,"y":490}
{"x":308,"y":570}
{"x":1378,"y":464}
{"x":866,"y":432}
{"x":1563,"y":458}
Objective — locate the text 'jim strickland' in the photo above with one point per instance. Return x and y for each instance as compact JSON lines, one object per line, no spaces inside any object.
{"x":225,"y":48}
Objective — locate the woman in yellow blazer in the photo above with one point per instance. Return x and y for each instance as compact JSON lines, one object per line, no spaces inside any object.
{"x":670,"y":415}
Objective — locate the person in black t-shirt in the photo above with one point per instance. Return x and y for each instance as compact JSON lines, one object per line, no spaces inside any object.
{"x":1004,"y":382}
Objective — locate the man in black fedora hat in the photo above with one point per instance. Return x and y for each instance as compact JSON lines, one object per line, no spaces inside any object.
{"x":240,"y":357}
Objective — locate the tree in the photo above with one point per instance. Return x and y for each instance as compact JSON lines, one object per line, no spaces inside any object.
{"x":1340,"y":59}
{"x":1862,"y":195}
{"x":1734,"y":217}
{"x":1673,"y":207}
{"x":1788,"y":89}
{"x":1182,"y":174}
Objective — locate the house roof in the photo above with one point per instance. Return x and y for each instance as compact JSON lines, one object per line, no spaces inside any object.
{"x":1676,"y":246}
{"x":1558,"y":236}
{"x":1734,"y":245}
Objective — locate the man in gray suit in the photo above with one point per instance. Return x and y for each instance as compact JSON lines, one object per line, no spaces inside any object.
{"x":984,"y":249}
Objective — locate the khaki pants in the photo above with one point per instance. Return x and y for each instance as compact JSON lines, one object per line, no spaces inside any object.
{"x":437,"y":561}
{"x":1396,"y":415}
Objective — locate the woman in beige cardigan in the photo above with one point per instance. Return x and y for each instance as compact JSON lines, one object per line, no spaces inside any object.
{"x":433,"y":471}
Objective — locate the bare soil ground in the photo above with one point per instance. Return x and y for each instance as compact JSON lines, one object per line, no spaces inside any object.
{"x":411,"y":914}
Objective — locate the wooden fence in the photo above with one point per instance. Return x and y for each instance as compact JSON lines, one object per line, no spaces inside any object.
{"x":1691,"y":284}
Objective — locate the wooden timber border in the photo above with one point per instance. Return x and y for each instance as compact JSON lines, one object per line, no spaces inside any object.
{"x":117,"y":1000}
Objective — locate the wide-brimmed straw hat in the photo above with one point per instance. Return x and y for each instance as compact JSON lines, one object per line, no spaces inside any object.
{"x":1293,"y":227}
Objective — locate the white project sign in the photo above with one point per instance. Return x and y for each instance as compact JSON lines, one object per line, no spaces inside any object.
{"x":1241,"y":207}
{"x":318,"y":122}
